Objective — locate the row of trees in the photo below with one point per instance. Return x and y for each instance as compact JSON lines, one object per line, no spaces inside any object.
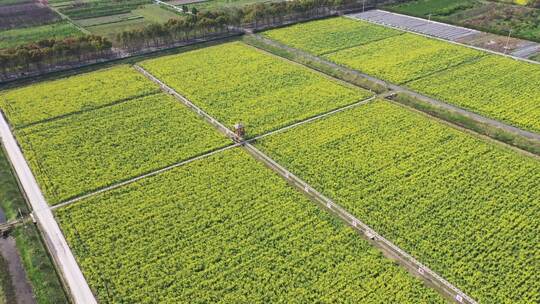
{"x":45,"y":53}
{"x":205,"y":23}
{"x":195,"y":25}
{"x":174,"y":31}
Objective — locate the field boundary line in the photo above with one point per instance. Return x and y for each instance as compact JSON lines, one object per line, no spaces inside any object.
{"x":351,"y":16}
{"x":463,"y":129}
{"x":63,"y":257}
{"x":137,"y":178}
{"x":377,"y":240}
{"x":321,"y":116}
{"x":434,"y":280}
{"x":394,"y":87}
{"x":208,"y":154}
{"x":357,"y":45}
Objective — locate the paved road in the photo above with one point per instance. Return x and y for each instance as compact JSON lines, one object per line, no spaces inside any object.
{"x":58,"y":247}
{"x":436,"y":29}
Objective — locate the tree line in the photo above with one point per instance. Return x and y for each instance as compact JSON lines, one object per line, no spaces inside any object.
{"x":50,"y":52}
{"x":194,"y":25}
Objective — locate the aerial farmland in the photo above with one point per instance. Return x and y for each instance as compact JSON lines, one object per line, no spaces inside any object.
{"x":266,"y":152}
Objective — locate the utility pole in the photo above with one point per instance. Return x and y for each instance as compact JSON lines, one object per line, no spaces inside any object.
{"x":507,"y":41}
{"x":363,"y":6}
{"x":429,"y":18}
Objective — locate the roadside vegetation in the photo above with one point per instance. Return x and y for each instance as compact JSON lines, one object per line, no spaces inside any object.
{"x":39,"y":268}
{"x":7,"y":292}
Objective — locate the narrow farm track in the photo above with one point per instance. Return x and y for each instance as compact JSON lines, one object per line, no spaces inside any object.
{"x":54,"y":239}
{"x":416,"y":268}
{"x":401,"y":89}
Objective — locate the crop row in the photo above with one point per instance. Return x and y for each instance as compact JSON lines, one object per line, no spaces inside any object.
{"x":467,"y":209}
{"x":83,"y":152}
{"x":50,"y":99}
{"x":330,"y":35}
{"x":403,"y":58}
{"x":502,"y":88}
{"x":491,"y":85}
{"x":237,"y":83}
{"x":226,"y":229}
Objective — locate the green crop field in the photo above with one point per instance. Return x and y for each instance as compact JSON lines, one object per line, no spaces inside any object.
{"x":329,"y":35}
{"x":501,"y":88}
{"x":491,"y":85}
{"x":7,"y":292}
{"x":87,"y":151}
{"x":58,"y":30}
{"x":237,"y":83}
{"x":98,"y":8}
{"x":226,"y":229}
{"x":466,"y":208}
{"x":405,"y":57}
{"x":53,"y":99}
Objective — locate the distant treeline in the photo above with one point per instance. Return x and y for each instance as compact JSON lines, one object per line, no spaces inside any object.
{"x":255,"y":16}
{"x":50,"y":54}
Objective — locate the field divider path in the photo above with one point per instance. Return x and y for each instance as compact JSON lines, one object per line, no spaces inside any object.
{"x":445,"y":288}
{"x":55,"y":241}
{"x":149,"y":174}
{"x":391,"y":86}
{"x":226,"y":131}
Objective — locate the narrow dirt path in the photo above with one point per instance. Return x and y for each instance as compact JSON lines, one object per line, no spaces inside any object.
{"x":19,"y":281}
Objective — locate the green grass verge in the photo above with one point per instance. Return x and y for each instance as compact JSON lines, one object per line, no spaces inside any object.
{"x":87,"y":151}
{"x":35,"y":259}
{"x":500,"y":88}
{"x":470,"y":123}
{"x":7,"y":294}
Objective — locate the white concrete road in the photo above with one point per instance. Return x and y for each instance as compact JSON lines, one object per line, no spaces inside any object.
{"x":58,"y":247}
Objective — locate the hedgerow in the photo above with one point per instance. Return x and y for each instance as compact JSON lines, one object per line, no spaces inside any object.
{"x":468,"y":209}
{"x":87,"y":151}
{"x":50,"y":99}
{"x":237,"y":83}
{"x":226,"y":229}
